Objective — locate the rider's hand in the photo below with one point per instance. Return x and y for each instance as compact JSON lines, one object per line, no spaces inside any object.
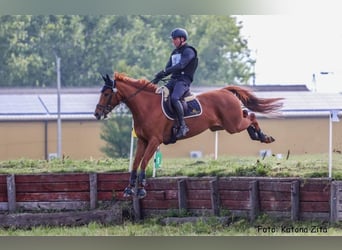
{"x":155,"y":80}
{"x":161,"y":74}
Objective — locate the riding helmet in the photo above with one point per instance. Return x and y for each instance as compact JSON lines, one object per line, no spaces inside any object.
{"x":179,"y":32}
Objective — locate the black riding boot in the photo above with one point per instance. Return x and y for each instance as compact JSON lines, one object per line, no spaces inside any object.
{"x":183,"y":129}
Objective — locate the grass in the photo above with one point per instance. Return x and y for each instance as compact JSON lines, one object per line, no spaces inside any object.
{"x":263,"y":226}
{"x":304,"y":166}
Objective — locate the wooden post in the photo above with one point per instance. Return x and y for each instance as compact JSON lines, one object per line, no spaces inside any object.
{"x":93,"y":190}
{"x":214,"y":195}
{"x":136,"y":205}
{"x":182,"y":195}
{"x":295,"y":193}
{"x":11,"y":193}
{"x":334,"y":202}
{"x":254,"y":200}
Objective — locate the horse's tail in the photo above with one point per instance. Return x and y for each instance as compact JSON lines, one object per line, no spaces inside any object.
{"x":253,"y":103}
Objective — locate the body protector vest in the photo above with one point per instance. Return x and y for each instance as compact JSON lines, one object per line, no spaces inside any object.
{"x":182,"y":63}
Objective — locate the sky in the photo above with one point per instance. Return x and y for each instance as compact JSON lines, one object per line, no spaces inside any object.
{"x":291,"y":48}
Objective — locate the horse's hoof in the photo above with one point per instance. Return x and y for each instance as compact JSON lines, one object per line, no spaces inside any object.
{"x":128,"y":192}
{"x":141,"y":193}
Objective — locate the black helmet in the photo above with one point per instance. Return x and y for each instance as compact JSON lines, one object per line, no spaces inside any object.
{"x":179,"y":32}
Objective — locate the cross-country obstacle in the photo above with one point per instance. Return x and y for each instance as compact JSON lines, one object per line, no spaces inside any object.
{"x":83,"y":197}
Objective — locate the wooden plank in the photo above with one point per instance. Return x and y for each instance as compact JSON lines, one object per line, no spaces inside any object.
{"x":3,"y":178}
{"x":120,"y":176}
{"x":159,"y":204}
{"x":234,"y":195}
{"x":315,"y":206}
{"x":111,"y":196}
{"x":52,"y":187}
{"x":315,"y":186}
{"x":11,"y":193}
{"x":295,"y":194}
{"x":182,"y":195}
{"x":198,"y":194}
{"x":315,"y":196}
{"x":155,"y":195}
{"x":93,"y":190}
{"x":275,"y":186}
{"x":235,"y":205}
{"x":266,"y":206}
{"x":199,"y":204}
{"x":162,"y":184}
{"x":111,"y":185}
{"x":197,"y":184}
{"x":3,"y":188}
{"x":254,"y":200}
{"x":56,"y":196}
{"x":274,"y":196}
{"x":233,"y":184}
{"x":3,"y":198}
{"x":54,"y":178}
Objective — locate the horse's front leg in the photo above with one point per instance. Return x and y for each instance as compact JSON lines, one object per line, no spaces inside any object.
{"x":141,"y":146}
{"x":149,"y":151}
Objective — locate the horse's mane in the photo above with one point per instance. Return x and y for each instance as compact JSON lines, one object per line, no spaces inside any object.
{"x":138,"y":83}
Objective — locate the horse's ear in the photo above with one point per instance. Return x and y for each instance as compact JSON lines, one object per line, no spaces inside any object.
{"x":104,"y":79}
{"x":108,"y":78}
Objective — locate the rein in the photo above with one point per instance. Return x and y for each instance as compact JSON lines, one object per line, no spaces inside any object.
{"x":135,"y":93}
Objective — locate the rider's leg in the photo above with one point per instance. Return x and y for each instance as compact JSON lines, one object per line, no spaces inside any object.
{"x":179,"y":89}
{"x":183,"y":129}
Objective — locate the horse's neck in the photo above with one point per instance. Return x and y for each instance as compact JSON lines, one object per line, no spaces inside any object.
{"x":140,"y":102}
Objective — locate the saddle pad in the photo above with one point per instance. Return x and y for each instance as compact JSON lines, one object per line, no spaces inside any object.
{"x":193,"y":109}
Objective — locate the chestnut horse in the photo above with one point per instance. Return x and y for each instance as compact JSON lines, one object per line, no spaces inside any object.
{"x":221,"y":111}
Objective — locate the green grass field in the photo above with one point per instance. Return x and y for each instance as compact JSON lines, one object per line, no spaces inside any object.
{"x":305,"y":166}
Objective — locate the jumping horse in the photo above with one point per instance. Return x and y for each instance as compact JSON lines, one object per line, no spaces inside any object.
{"x":221,"y":110}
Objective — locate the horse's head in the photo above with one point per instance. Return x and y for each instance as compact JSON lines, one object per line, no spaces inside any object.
{"x":108,"y":99}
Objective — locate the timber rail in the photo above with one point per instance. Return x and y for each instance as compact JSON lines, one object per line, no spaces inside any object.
{"x":292,"y":198}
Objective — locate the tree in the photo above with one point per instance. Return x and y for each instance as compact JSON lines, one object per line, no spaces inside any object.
{"x":136,"y":44}
{"x":117,"y":133}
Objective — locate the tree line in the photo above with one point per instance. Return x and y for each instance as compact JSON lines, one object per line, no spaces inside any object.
{"x":138,"y":45}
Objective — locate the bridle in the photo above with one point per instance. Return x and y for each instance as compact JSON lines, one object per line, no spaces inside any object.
{"x":111,"y":84}
{"x":107,"y":108}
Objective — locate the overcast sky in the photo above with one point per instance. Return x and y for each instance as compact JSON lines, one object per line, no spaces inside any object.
{"x":290,"y":48}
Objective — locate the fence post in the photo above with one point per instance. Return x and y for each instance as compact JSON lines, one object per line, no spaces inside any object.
{"x":334,"y":202}
{"x":214,"y":195}
{"x":182,"y":195}
{"x":295,"y":193}
{"x":254,"y":200}
{"x":93,"y":190}
{"x":11,"y":193}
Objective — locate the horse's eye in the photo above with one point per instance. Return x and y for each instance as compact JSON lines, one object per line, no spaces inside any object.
{"x":106,"y":95}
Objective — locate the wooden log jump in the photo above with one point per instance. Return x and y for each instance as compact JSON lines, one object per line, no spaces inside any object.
{"x":293,"y":198}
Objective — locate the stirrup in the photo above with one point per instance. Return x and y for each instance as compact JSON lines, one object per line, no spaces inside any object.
{"x":182,"y":131}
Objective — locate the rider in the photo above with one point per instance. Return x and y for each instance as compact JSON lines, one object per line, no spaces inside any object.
{"x":182,"y":65}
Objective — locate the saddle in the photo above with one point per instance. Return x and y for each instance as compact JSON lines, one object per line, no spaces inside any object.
{"x":192,"y":107}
